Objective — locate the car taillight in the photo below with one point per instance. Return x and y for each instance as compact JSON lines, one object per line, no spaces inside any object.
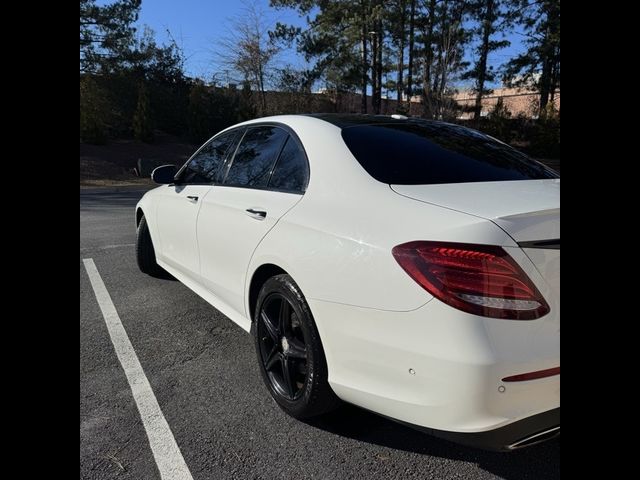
{"x":479,"y":279}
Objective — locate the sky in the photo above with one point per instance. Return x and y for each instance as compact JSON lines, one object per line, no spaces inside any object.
{"x":198,"y":26}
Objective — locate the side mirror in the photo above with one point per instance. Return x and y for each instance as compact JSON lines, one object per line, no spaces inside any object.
{"x":164,"y":174}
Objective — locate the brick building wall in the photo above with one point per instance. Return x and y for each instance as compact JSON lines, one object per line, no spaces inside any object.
{"x":516,"y":100}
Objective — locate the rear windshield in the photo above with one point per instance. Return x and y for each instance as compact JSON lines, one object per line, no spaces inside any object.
{"x":418,"y":153}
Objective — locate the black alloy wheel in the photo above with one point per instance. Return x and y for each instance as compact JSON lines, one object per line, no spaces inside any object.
{"x":282,"y":346}
{"x":289,"y":350}
{"x":145,"y":253}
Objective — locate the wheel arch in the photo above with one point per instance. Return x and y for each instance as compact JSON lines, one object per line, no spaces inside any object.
{"x":139,"y":215}
{"x":261,"y":274}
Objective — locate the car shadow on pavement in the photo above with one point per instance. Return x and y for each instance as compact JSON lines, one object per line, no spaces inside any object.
{"x":538,"y":461}
{"x":163,"y":275}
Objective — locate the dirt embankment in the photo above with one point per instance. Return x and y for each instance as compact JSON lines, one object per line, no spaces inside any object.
{"x":114,"y":163}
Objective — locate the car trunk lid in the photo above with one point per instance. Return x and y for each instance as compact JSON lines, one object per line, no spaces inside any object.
{"x":527,"y":210}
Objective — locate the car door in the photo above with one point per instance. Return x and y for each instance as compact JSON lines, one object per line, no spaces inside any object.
{"x":178,"y":205}
{"x":264,"y":179}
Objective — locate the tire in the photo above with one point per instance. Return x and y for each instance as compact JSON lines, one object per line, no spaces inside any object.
{"x":145,"y":254}
{"x":283,"y":334}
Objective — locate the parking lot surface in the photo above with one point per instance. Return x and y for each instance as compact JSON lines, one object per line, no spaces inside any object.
{"x":203,"y":373}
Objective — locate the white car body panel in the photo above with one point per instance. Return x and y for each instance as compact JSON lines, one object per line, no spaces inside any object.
{"x":225,"y":252}
{"x":457,"y":360}
{"x":321,"y":246}
{"x":489,"y":199}
{"x":526,"y":210}
{"x":532,"y":226}
{"x":175,"y":222}
{"x":547,"y":262}
{"x":376,"y":323}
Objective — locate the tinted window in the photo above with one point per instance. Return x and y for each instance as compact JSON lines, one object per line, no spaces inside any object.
{"x":416,"y":153}
{"x":255,"y":157}
{"x":204,"y":166}
{"x":291,"y":171}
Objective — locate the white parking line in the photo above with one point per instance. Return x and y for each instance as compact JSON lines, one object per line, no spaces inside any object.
{"x":165,"y":450}
{"x":108,"y":247}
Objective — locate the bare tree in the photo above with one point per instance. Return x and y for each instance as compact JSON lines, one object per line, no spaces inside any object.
{"x":448,"y":37}
{"x":248,"y":50}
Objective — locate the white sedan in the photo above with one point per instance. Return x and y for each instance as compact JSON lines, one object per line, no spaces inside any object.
{"x":406,"y":266}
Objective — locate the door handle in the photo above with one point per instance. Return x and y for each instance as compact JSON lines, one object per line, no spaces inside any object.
{"x":257,"y":214}
{"x":192,"y":198}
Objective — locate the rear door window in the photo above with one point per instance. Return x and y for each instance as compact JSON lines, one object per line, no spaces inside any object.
{"x":254,"y":159}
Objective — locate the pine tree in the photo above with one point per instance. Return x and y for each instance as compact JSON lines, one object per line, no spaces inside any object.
{"x":94,"y":110}
{"x":142,"y":128}
{"x":499,"y":125}
{"x":539,"y":66}
{"x":106,"y":33}
{"x":490,"y":18}
{"x":342,"y":40}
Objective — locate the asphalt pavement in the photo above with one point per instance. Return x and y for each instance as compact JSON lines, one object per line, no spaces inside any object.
{"x":203,"y":371}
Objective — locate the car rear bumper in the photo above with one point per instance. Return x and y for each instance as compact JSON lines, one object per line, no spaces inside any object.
{"x":442,"y":370}
{"x":523,"y":433}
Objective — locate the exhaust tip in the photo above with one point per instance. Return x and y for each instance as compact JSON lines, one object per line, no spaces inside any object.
{"x":535,"y":438}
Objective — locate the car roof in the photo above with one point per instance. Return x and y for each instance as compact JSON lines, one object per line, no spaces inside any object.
{"x":346,"y":120}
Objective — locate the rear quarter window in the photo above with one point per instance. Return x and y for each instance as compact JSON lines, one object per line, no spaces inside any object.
{"x":291,"y":172}
{"x":418,"y":153}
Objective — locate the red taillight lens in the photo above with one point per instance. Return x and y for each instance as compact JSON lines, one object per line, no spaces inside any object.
{"x":479,"y":279}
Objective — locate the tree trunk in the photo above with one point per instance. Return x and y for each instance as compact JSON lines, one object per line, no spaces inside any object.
{"x":365,"y":64}
{"x":438,"y":86}
{"x":380,"y":38}
{"x":545,"y":75}
{"x":482,"y":61}
{"x":428,"y":61}
{"x":448,"y":52}
{"x":261,"y":87}
{"x":412,"y":18}
{"x":374,"y":72}
{"x":554,"y":78}
{"x":547,"y":83}
{"x":399,"y":83}
{"x":444,"y":62}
